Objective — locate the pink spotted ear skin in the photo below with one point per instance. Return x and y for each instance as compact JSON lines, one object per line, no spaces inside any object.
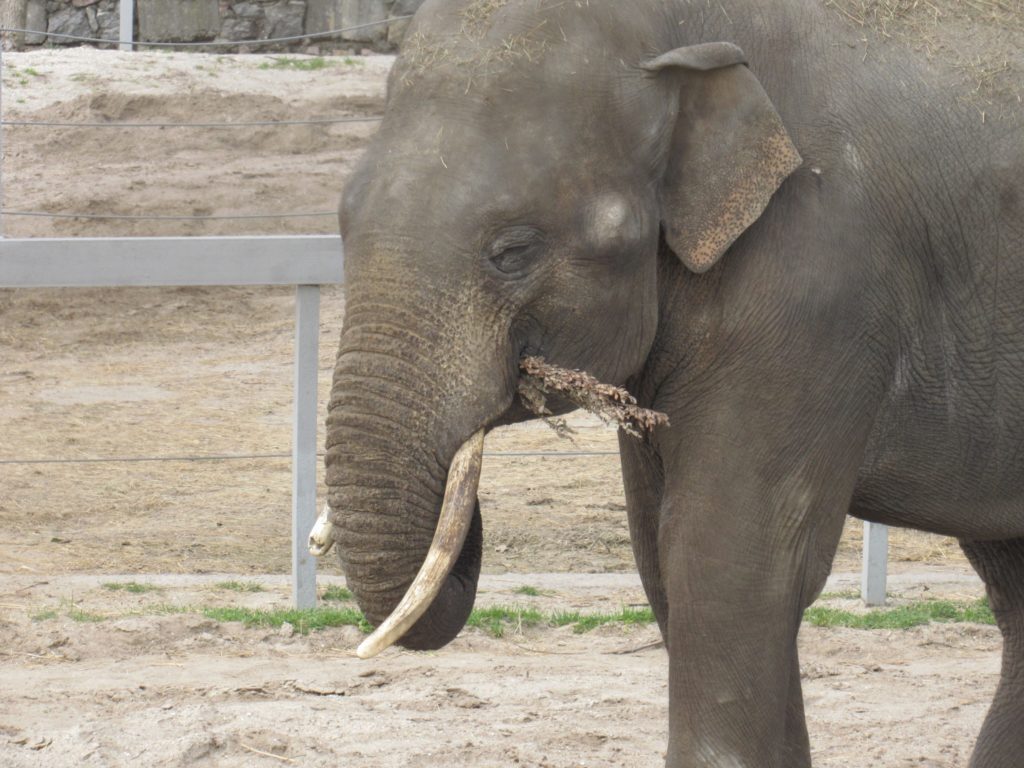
{"x":728,"y":154}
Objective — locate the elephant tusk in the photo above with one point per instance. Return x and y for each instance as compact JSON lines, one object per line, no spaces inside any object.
{"x":452,"y":527}
{"x":321,"y":538}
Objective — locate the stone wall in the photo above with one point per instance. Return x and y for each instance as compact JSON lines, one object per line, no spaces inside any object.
{"x":227,"y":20}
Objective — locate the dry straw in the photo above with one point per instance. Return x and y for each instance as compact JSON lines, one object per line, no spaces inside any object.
{"x":611,"y":404}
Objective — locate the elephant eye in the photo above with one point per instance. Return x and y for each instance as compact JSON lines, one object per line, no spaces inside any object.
{"x":513,"y":252}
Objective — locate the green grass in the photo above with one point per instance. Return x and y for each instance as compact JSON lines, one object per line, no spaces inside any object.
{"x":31,"y":71}
{"x":337,"y":593}
{"x":302,"y":65}
{"x":904,"y":616}
{"x":240,"y":586}
{"x":625,"y":616}
{"x":76,"y":614}
{"x":304,"y":621}
{"x":131,"y":586}
{"x":495,"y":619}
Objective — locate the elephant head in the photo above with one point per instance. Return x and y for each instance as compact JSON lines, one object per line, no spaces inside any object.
{"x":531,"y":165}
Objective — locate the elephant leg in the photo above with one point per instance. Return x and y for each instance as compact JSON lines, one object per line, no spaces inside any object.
{"x":643,"y":479}
{"x":735,"y":607}
{"x":748,"y":530}
{"x":1001,"y":565}
{"x":644,"y":483}
{"x":797,"y":748}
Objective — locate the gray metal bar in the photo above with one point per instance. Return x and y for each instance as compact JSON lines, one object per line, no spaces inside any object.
{"x":876,"y":555}
{"x":304,"y":455}
{"x":1,"y":139}
{"x":126,"y":14}
{"x":133,"y":261}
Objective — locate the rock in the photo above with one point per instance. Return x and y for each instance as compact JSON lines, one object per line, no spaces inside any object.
{"x":68,"y":21}
{"x":247,"y":10}
{"x":90,"y":16}
{"x":35,"y":19}
{"x":324,"y":15}
{"x":109,"y":20}
{"x":239,"y":29}
{"x":285,"y":19}
{"x":182,"y":20}
{"x":83,"y":3}
{"x":287,"y":630}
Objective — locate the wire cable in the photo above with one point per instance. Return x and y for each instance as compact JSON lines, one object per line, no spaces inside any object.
{"x":143,"y":217}
{"x":211,"y":43}
{"x":225,"y":124}
{"x":253,"y":456}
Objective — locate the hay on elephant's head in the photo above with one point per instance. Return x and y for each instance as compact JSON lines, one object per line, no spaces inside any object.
{"x":611,"y":404}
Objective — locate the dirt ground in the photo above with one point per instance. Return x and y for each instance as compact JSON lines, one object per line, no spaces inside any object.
{"x":96,"y":677}
{"x":162,"y":373}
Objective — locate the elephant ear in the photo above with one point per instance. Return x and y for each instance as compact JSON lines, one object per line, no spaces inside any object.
{"x":729,"y":151}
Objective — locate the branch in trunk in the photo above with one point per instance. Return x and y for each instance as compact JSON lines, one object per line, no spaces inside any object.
{"x":611,"y":404}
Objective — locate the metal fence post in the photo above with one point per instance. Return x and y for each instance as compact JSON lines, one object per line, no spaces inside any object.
{"x":876,"y":555}
{"x":1,"y":139}
{"x":304,"y":458}
{"x":126,"y":14}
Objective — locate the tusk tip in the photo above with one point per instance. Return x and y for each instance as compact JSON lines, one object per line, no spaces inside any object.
{"x":368,"y":648}
{"x":316,"y":550}
{"x":321,"y":538}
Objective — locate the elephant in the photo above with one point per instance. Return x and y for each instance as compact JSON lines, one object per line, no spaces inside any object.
{"x":810,"y":259}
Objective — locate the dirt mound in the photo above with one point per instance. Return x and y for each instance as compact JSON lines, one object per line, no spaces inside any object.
{"x":204,"y":171}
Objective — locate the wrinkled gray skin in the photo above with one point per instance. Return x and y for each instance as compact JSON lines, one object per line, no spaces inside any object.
{"x":841,"y":335}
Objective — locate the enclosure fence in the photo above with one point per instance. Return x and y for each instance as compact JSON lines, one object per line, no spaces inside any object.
{"x":306,"y":262}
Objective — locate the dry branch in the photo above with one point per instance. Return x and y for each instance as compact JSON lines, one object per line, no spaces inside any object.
{"x":611,"y":404}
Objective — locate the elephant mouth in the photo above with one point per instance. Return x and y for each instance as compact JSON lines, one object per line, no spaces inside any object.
{"x":453,"y":524}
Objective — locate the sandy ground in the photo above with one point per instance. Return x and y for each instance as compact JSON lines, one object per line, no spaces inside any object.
{"x":140,"y":373}
{"x":137,"y":685}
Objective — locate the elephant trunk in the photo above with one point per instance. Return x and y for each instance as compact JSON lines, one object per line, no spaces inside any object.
{"x":404,"y":447}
